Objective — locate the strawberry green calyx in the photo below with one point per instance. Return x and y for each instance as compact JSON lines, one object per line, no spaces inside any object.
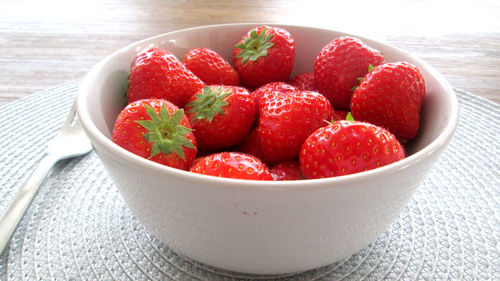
{"x":254,"y":47}
{"x":360,"y":79}
{"x":165,"y":132}
{"x":349,"y":117}
{"x":208,"y":103}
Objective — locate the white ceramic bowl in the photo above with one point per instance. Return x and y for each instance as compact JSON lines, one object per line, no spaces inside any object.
{"x":256,"y":226}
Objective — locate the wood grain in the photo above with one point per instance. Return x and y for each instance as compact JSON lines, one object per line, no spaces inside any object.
{"x":46,"y":43}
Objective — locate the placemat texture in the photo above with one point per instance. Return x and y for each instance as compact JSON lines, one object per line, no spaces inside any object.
{"x":78,"y":228}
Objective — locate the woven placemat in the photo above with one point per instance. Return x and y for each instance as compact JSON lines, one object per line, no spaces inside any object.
{"x":78,"y":227}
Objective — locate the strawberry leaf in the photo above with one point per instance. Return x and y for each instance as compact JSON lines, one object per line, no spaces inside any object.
{"x":152,"y":114}
{"x":255,"y":46}
{"x":165,"y":132}
{"x":361,"y":79}
{"x":349,"y":117}
{"x":148,"y":124}
{"x":208,"y":103}
{"x":176,"y":117}
{"x":240,"y":45}
{"x":154,"y":150}
{"x":178,"y":150}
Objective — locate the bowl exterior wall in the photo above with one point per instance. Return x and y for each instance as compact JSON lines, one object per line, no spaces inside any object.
{"x":268,"y":232}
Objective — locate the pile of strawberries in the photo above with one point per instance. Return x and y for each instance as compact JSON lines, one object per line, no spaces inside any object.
{"x":251,"y":120}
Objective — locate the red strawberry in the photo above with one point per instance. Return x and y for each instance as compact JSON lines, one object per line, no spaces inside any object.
{"x":287,"y":120}
{"x":265,"y":54}
{"x":289,"y":170}
{"x":156,"y":73}
{"x":251,"y":145}
{"x":391,"y":96}
{"x":340,"y":115}
{"x":273,"y":86}
{"x":221,"y":116}
{"x":210,"y":67}
{"x":338,"y":67}
{"x":304,"y":82}
{"x":232,"y":165}
{"x":157,"y":130}
{"x":347,"y":147}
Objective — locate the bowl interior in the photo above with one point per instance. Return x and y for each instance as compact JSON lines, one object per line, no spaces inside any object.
{"x":102,"y":93}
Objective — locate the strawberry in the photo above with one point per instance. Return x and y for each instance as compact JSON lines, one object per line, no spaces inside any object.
{"x":265,"y":54}
{"x":289,"y":170}
{"x":391,"y":96}
{"x":339,"y":65}
{"x":210,"y":67}
{"x":232,"y":165}
{"x":347,"y":147}
{"x":287,"y":120}
{"x":304,"y":82}
{"x":221,"y":116}
{"x":251,"y":145}
{"x":273,"y":86}
{"x":339,"y":115}
{"x":156,"y":73}
{"x":156,"y":130}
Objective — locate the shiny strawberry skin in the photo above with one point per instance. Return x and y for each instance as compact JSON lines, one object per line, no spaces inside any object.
{"x":156,"y":73}
{"x":347,"y":147}
{"x":339,"y":115}
{"x":232,"y":165}
{"x":251,"y":145}
{"x":284,"y":171}
{"x":339,"y":65}
{"x":230,"y":125}
{"x":304,"y":82}
{"x":287,"y":120}
{"x":391,"y":96}
{"x":275,"y":65}
{"x":272,"y":86}
{"x":130,"y":135}
{"x":210,"y":67}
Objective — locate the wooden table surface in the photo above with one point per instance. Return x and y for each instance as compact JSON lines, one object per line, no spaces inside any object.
{"x":46,"y":43}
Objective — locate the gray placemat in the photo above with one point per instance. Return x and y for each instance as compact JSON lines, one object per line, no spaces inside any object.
{"x":78,"y":227}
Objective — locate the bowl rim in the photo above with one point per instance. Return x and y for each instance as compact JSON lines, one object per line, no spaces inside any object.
{"x":306,"y":184}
